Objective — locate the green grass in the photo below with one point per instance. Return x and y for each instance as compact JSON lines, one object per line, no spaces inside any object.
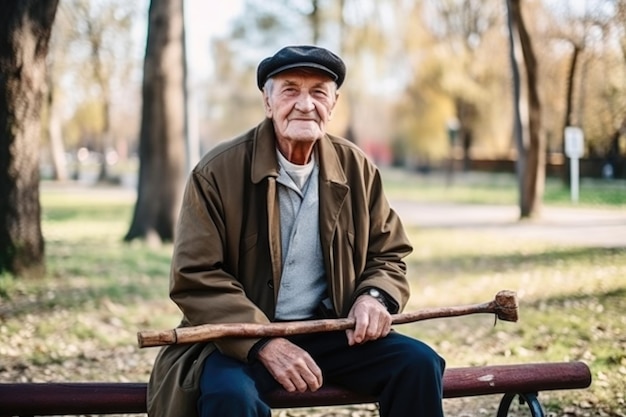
{"x":571,"y":308}
{"x":482,"y":188}
{"x":80,"y":321}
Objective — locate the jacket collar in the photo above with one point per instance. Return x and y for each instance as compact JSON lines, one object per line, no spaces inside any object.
{"x":265,"y":162}
{"x":330,"y":168}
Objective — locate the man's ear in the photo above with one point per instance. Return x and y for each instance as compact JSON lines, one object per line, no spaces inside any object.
{"x":332,"y":109}
{"x":266,"y":105}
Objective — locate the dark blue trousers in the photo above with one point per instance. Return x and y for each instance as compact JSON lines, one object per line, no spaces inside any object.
{"x":404,"y":374}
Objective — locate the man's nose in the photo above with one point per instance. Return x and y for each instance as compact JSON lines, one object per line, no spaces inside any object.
{"x":305,"y":103}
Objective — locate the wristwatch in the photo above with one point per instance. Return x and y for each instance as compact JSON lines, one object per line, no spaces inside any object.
{"x":374,"y":292}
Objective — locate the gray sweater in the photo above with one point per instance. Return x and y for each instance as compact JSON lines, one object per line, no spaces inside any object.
{"x":303,"y":282}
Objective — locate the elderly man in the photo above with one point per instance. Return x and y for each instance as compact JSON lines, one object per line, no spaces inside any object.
{"x":287,"y":222}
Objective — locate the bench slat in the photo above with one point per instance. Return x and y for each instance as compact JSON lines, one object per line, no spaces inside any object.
{"x":74,"y":398}
{"x":463,"y":382}
{"x":501,"y":379}
{"x":28,"y":399}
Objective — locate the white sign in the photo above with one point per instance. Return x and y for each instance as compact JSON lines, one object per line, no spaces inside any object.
{"x":574,"y":142}
{"x":574,"y":149}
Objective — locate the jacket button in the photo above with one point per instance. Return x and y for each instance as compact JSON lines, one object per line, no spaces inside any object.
{"x":270,"y":284}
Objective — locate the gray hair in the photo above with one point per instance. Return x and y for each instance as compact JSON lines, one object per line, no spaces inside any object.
{"x":269,"y":86}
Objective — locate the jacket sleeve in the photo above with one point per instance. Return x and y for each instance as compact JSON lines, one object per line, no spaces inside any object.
{"x":388,"y":245}
{"x":199,"y":283}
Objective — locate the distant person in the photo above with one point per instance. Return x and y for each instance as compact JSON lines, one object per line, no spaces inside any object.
{"x":284,"y":223}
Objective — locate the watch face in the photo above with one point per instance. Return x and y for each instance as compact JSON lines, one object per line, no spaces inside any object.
{"x":374,"y":292}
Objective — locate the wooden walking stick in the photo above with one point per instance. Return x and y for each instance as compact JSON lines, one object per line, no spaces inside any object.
{"x":504,"y":306}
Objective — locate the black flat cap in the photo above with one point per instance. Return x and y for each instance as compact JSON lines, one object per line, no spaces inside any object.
{"x":301,"y":56}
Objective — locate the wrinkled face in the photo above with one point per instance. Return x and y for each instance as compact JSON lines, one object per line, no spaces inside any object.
{"x":300,"y":103}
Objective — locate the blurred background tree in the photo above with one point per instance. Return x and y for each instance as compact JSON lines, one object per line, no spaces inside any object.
{"x":25,"y":28}
{"x":90,"y":53}
{"x":527,"y":115}
{"x":163,"y":125}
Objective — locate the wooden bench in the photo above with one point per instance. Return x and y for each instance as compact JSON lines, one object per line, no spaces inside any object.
{"x":79,"y":398}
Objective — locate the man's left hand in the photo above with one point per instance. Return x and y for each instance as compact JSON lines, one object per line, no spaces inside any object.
{"x":372,"y":319}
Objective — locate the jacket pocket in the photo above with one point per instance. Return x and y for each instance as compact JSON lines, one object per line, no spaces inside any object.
{"x":174,"y":386}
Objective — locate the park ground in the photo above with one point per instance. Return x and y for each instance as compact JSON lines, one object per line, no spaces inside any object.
{"x":567,"y":266}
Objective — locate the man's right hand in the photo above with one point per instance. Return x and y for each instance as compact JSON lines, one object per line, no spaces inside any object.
{"x":290,"y":365}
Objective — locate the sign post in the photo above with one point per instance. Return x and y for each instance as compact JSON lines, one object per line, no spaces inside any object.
{"x":574,"y":149}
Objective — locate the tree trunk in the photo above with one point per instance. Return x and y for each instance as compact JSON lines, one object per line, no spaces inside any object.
{"x":162,"y":135}
{"x":315,"y":19}
{"x":55,"y":134}
{"x":569,"y":109}
{"x":344,"y":35}
{"x":569,"y":105}
{"x":106,"y":141}
{"x":25,"y":28}
{"x":518,"y":128}
{"x":531,"y":152}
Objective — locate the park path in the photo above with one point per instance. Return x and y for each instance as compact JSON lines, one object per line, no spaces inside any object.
{"x":559,"y":225}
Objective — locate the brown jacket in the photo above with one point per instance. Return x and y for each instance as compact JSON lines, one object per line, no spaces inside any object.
{"x":226,"y":263}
